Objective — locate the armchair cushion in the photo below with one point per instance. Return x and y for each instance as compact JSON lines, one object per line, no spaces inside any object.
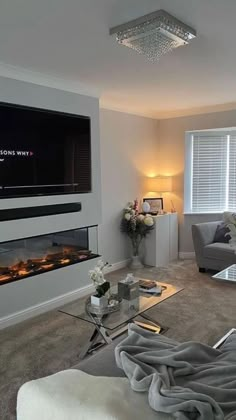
{"x":220,"y":251}
{"x":221,"y":234}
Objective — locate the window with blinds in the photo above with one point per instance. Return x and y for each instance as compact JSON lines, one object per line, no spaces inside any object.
{"x":232,"y":174}
{"x":211,"y":172}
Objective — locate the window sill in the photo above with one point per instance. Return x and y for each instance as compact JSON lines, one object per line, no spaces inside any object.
{"x":202,"y":213}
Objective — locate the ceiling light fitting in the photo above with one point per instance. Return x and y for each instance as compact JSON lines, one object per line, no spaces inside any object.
{"x":154,"y":35}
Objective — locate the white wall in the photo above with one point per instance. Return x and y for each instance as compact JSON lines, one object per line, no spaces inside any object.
{"x":21,"y":296}
{"x":129,"y":147}
{"x":171,"y":156}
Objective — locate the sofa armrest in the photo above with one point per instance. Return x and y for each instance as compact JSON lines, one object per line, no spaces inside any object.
{"x":203,"y":234}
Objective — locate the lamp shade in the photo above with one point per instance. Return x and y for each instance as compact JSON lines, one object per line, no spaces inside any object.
{"x":160,"y":184}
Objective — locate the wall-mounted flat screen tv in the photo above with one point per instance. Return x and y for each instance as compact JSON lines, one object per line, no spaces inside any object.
{"x":43,"y":152}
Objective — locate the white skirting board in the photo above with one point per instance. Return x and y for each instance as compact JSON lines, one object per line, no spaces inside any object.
{"x":56,"y":302}
{"x":187,"y":255}
{"x":116,"y":266}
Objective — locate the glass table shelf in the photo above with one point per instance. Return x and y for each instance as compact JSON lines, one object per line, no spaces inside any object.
{"x":128,"y":309}
{"x":228,"y":274}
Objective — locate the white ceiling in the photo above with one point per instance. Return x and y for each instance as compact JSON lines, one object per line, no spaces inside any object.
{"x":68,"y":41}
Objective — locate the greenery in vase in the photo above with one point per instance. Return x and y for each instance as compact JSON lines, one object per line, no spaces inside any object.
{"x":135,"y":225}
{"x":97,"y":277}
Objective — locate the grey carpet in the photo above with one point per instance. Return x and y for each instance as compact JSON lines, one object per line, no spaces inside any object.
{"x":203,"y":311}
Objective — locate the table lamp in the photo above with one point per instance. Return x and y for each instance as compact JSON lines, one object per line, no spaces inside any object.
{"x":160,"y":184}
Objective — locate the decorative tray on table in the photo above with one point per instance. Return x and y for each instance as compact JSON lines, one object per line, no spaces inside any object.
{"x":113,"y":306}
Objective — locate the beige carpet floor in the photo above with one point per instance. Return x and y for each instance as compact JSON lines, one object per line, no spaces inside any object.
{"x":203,"y":311}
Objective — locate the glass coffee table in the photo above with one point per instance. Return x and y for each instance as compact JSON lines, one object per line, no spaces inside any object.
{"x":228,"y":274}
{"x":108,"y":324}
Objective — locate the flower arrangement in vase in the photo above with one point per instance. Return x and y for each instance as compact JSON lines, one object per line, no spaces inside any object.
{"x":136,"y":226}
{"x":101,"y":285}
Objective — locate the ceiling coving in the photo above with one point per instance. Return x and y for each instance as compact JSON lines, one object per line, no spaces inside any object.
{"x":154,"y":35}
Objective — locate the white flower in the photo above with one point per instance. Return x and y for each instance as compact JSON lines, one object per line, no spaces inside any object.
{"x":140,"y":217}
{"x":148,"y":221}
{"x":100,"y":264}
{"x":96,"y":275}
{"x":127,"y":216}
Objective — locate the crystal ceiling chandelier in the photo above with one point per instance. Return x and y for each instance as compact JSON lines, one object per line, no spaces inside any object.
{"x":154,"y":35}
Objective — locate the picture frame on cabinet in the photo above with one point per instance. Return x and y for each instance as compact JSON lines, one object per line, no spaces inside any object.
{"x":156,"y":205}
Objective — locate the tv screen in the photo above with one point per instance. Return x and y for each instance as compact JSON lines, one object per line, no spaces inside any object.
{"x":43,"y":152}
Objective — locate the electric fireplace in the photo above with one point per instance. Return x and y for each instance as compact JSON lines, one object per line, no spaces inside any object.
{"x":30,"y":256}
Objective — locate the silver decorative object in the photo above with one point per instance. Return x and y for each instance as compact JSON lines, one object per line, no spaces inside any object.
{"x":101,"y":301}
{"x":112,"y":306}
{"x":154,"y":34}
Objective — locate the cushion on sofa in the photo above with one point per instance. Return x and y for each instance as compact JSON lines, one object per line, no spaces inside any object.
{"x":220,"y":233}
{"x":220,"y":251}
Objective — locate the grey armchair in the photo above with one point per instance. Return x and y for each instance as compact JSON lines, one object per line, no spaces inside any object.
{"x":211,"y":255}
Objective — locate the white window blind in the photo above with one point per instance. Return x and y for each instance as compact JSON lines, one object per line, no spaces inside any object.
{"x":210,"y":176}
{"x":232,"y":174}
{"x":209,"y":168}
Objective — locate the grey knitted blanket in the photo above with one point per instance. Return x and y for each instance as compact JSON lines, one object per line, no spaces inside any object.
{"x":188,"y":380}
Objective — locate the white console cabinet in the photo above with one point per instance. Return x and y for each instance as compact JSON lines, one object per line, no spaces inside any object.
{"x":161,"y":244}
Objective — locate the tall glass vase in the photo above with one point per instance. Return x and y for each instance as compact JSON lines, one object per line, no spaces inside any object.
{"x":135,"y":259}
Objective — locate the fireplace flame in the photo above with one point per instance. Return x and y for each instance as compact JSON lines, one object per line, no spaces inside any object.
{"x":52,"y":260}
{"x":22,"y":272}
{"x":65,"y":261}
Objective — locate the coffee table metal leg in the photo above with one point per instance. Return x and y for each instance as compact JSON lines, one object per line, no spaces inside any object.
{"x":89,"y":345}
{"x":153,"y":326}
{"x":103,"y":332}
{"x":92,"y":344}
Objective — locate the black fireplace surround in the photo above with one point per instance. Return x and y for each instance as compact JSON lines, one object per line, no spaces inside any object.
{"x":35,"y":255}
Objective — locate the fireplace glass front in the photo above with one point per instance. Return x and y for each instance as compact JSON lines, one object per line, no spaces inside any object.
{"x":29,"y":256}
